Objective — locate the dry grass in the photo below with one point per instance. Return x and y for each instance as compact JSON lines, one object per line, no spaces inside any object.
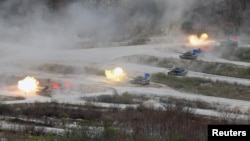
{"x":143,"y":124}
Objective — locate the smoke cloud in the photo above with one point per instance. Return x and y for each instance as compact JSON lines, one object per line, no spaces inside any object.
{"x":35,"y":30}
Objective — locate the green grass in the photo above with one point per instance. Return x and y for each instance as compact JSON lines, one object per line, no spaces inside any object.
{"x":187,"y":103}
{"x":236,"y":53}
{"x":124,"y":98}
{"x":203,"y":86}
{"x":10,"y":98}
{"x":224,"y":69}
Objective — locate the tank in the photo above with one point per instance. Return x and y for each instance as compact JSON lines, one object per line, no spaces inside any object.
{"x":140,"y":80}
{"x":229,"y":43}
{"x":46,"y":91}
{"x":189,"y":55}
{"x":178,"y":71}
{"x":196,"y":51}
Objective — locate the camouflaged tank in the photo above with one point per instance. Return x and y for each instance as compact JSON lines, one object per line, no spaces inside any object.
{"x":140,"y":80}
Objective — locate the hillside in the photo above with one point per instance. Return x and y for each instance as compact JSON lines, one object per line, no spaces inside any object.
{"x":126,"y":19}
{"x":74,"y":70}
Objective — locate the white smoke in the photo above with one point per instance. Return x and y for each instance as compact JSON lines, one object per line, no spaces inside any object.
{"x":31,"y":31}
